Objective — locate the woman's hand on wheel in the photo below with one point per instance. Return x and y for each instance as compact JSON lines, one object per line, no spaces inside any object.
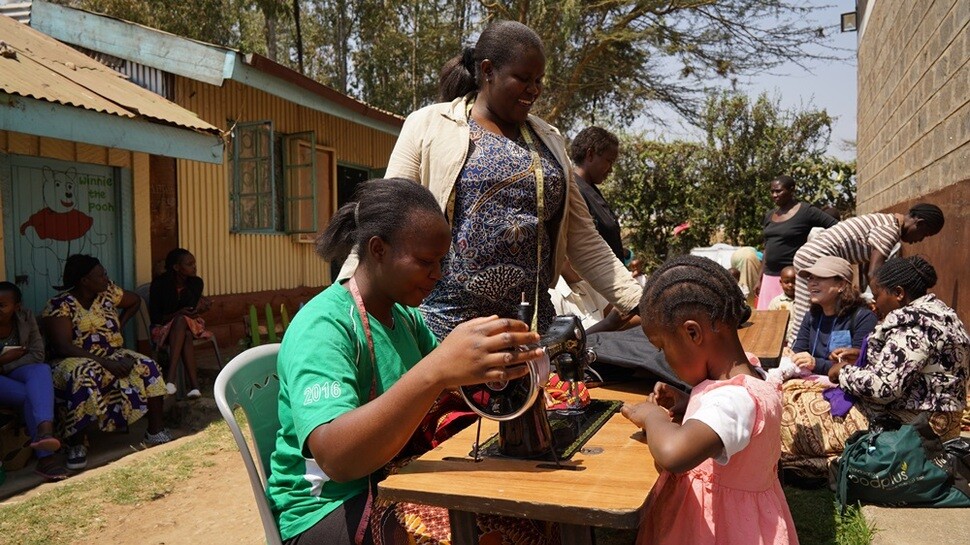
{"x":483,"y":350}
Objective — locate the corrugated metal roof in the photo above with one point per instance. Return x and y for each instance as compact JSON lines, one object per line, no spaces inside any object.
{"x":35,"y":65}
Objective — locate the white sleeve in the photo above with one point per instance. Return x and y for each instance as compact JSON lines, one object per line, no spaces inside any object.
{"x":730,"y":412}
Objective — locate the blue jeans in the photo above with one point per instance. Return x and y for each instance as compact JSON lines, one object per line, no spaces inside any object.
{"x":30,"y":388}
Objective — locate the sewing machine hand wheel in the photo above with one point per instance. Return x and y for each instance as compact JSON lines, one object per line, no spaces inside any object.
{"x":506,"y":400}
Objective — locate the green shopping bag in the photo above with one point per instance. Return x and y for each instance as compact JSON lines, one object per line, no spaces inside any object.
{"x":897,"y":467}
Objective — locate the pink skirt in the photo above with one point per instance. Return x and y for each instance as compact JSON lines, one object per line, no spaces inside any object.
{"x":195,"y":325}
{"x":770,"y":288}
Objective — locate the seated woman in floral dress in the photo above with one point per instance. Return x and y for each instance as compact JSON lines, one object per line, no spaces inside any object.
{"x":100,"y":382}
{"x":918,"y":358}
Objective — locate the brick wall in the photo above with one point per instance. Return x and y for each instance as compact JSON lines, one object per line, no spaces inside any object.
{"x":914,"y":125}
{"x":914,"y":100}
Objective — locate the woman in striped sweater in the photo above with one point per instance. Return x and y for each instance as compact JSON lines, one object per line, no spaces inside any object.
{"x":867,"y":239}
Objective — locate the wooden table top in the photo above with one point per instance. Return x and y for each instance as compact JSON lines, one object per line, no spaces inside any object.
{"x":613,"y":475}
{"x":766,"y":334}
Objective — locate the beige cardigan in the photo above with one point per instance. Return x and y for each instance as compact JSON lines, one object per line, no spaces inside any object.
{"x":432,"y":149}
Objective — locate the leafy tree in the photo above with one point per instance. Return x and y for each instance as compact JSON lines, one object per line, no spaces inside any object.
{"x":747,"y":144}
{"x":654,"y":189}
{"x":607,"y":60}
{"x":720,"y":184}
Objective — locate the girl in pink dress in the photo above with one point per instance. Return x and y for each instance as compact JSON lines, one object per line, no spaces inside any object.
{"x":717,"y":450}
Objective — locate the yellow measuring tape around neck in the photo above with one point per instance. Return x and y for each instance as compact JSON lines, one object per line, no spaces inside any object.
{"x":540,"y":183}
{"x":540,"y":204}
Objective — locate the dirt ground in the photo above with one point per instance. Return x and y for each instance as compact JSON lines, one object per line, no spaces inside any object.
{"x":215,"y":506}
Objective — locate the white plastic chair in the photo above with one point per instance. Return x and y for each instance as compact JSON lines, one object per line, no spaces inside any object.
{"x":250,"y":382}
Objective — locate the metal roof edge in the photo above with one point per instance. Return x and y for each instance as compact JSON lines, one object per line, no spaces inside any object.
{"x":138,"y":43}
{"x":41,"y":118}
{"x":261,"y":73}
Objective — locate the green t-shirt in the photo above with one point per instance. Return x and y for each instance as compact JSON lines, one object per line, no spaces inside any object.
{"x":325,"y":370}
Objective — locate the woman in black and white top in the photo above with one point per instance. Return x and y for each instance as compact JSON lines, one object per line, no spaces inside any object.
{"x":918,"y":358}
{"x":864,"y":239}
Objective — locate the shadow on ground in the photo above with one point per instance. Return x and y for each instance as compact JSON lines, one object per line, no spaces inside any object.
{"x":182,"y":418}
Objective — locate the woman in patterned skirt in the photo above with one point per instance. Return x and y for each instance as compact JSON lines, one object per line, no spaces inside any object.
{"x":100,"y":382}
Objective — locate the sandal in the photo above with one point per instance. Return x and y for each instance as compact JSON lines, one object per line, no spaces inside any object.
{"x":50,"y":469}
{"x":46,"y":442}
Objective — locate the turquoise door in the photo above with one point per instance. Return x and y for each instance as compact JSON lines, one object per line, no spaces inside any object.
{"x":53,"y":209}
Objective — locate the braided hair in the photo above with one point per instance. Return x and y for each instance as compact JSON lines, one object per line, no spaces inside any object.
{"x":931,"y":215}
{"x":688,"y":286}
{"x":914,"y":274}
{"x":380,"y":208}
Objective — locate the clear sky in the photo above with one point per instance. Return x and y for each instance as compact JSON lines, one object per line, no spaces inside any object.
{"x":829,"y":85}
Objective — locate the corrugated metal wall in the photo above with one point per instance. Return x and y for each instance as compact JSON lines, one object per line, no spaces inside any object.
{"x":243,"y":263}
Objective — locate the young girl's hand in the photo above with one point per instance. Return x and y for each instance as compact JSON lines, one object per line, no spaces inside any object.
{"x":482,"y":350}
{"x":670,"y":398}
{"x":638,"y":413}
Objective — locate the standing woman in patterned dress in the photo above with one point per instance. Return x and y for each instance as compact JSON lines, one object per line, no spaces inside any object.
{"x":867,"y":239}
{"x":504,"y":180}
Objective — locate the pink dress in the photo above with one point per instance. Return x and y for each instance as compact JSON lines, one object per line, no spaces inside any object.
{"x":741,"y":502}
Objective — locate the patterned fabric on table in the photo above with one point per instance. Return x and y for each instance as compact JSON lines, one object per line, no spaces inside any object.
{"x":810,"y":436}
{"x":493,"y":259}
{"x":86,"y":393}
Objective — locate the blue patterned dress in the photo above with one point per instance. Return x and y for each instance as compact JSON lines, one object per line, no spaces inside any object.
{"x":495,"y":232}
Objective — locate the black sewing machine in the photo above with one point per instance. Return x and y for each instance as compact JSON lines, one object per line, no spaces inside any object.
{"x":519,"y":405}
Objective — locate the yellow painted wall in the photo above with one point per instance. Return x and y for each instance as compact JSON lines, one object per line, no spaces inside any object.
{"x":24,"y":144}
{"x":242,"y":262}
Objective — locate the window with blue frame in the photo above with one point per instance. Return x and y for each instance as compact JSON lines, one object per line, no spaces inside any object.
{"x":274,"y":186}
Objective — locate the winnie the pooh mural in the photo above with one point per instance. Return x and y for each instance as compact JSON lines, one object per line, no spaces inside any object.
{"x":59,"y":229}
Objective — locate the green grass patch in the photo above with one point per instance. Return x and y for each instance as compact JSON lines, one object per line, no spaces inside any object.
{"x":818,"y":522}
{"x":67,"y":513}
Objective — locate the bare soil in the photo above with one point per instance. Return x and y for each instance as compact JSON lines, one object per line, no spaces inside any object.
{"x":215,"y":506}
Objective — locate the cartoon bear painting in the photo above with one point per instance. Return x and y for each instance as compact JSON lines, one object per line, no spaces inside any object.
{"x":59,"y":229}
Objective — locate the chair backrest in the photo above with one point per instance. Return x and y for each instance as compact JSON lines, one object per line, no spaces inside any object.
{"x":250,"y":382}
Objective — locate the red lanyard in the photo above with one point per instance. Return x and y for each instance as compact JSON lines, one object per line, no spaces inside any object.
{"x":365,"y":516}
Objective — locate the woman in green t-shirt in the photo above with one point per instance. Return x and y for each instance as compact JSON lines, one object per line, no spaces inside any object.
{"x":340,"y":420}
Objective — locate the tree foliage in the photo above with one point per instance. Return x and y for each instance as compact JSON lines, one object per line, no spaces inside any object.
{"x":720,"y":184}
{"x":607,"y":60}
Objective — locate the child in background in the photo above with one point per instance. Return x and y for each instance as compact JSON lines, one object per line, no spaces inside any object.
{"x":786,"y":299}
{"x":718,"y":449}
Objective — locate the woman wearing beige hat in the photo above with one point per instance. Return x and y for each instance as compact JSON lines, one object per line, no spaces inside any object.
{"x":838,"y":316}
{"x":812,"y":434}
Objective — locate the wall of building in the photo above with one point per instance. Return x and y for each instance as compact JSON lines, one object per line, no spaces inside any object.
{"x":914,"y":124}
{"x":243,"y":268}
{"x":34,"y":146}
{"x":232,"y":263}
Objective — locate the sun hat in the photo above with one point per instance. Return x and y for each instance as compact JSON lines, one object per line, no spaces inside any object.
{"x":829,"y":266}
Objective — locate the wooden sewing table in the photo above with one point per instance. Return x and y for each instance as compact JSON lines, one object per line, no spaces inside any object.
{"x":605,"y":484}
